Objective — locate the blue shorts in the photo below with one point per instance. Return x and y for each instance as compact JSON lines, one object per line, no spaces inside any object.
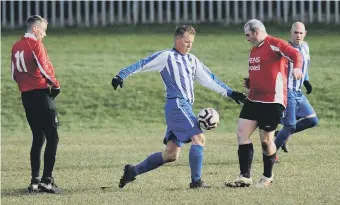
{"x":298,"y":107}
{"x":181,"y":121}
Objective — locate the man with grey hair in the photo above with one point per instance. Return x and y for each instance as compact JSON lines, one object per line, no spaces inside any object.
{"x":267,"y":98}
{"x":298,"y":107}
{"x":33,"y":72}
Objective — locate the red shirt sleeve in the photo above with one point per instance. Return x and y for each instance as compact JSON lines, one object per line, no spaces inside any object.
{"x":44,"y":64}
{"x":287,"y":51}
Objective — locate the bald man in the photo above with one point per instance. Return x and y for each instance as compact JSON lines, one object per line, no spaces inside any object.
{"x":299,"y":114}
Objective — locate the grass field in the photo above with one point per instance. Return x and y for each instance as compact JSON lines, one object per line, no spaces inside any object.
{"x":101,"y":129}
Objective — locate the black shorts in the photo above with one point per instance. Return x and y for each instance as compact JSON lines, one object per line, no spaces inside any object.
{"x":40,"y":109}
{"x":267,"y":115}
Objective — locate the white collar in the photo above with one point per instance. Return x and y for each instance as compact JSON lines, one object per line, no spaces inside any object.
{"x":260,"y":44}
{"x":30,"y":35}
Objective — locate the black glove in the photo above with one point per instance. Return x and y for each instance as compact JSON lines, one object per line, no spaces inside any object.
{"x":54,"y":92}
{"x":308,"y":86}
{"x":238,"y":97}
{"x":246,"y":83}
{"x":117,"y":81}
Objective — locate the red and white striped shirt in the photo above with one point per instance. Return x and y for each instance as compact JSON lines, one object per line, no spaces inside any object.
{"x":31,"y":66}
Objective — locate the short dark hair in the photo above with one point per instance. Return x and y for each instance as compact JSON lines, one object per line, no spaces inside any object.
{"x":181,"y":29}
{"x":33,"y":20}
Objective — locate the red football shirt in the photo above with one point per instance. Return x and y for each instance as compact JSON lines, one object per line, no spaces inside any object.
{"x":268,"y":71}
{"x":31,"y":66}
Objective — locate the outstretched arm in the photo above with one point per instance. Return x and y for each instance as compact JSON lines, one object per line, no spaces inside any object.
{"x":208,"y":79}
{"x":154,"y":62}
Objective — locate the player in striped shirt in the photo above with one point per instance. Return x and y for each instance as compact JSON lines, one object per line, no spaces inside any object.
{"x":178,"y":69}
{"x":298,"y":106}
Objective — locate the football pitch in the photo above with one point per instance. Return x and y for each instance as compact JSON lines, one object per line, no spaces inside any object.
{"x":102,"y":129}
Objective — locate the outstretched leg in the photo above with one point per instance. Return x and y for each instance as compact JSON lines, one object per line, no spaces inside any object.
{"x":283,"y":135}
{"x":303,"y":111}
{"x":306,"y":123}
{"x":153,"y":161}
{"x":288,"y":130}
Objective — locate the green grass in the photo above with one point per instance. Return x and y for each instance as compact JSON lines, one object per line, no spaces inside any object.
{"x":309,"y":174}
{"x":102,"y":129}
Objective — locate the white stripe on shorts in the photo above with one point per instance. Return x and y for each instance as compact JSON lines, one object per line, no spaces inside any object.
{"x":186,"y":115}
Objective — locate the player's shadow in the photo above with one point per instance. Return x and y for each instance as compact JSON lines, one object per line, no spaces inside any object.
{"x":23,"y":192}
{"x":224,"y":163}
{"x":14,"y":192}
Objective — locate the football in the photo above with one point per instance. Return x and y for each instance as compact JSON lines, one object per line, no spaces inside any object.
{"x":208,"y":118}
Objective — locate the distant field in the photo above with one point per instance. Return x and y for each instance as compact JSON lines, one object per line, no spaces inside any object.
{"x":102,"y":129}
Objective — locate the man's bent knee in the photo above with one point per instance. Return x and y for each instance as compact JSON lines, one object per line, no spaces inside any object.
{"x":290,"y":128}
{"x":170,"y":157}
{"x":313,"y":119}
{"x":198,"y":139}
{"x":267,"y":141}
{"x":265,"y":145}
{"x":268,"y":147}
{"x":171,"y":152}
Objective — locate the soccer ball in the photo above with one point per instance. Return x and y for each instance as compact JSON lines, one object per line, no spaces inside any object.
{"x":208,"y":118}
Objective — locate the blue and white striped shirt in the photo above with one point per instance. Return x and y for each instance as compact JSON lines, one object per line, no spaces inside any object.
{"x":293,"y":84}
{"x":178,"y":73}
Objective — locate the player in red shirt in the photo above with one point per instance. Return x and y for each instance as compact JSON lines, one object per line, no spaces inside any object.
{"x":34,"y":73}
{"x":267,"y":99}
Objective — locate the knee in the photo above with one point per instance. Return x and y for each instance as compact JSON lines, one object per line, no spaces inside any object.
{"x":241,"y":131}
{"x":38,"y":140}
{"x":290,"y":128}
{"x":265,"y":144}
{"x":268,"y":147}
{"x":198,"y":139}
{"x":313,"y":121}
{"x":170,"y":156}
{"x":171,"y":152}
{"x":52,"y":136}
{"x":242,"y":136}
